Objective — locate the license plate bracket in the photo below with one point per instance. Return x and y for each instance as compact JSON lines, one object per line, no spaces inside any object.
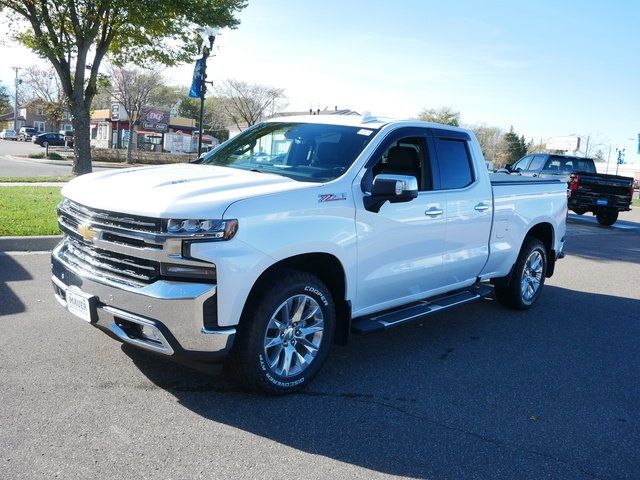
{"x":82,"y":305}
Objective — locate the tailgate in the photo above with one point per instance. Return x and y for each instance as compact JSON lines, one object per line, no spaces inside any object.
{"x":601,"y":184}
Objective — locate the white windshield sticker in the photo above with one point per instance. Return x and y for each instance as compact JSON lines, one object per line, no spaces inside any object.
{"x":364,"y":131}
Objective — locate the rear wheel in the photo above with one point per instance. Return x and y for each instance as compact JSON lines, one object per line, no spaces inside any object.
{"x":607,"y":217}
{"x":527,"y":278}
{"x":285,"y":335}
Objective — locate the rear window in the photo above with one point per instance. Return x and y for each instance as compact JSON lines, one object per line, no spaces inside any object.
{"x":558,"y":164}
{"x":454,"y":163}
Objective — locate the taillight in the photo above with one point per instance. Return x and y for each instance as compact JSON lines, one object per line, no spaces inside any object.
{"x":574,"y":183}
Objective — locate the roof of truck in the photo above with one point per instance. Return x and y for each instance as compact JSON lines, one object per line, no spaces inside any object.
{"x":364,"y":121}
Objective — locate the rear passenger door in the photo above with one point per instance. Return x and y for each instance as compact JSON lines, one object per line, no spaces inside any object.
{"x":469,"y":207}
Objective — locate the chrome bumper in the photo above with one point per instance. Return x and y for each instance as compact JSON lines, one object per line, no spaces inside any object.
{"x":171,"y":313}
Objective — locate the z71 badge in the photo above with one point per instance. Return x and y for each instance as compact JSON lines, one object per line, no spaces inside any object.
{"x":331,"y":197}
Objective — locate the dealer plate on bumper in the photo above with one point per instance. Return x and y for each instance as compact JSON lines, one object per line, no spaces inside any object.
{"x":81,"y":304}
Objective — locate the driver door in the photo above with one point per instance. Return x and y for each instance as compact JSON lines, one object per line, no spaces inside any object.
{"x":400,"y":248}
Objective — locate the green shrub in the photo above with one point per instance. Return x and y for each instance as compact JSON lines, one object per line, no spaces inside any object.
{"x":54,"y":156}
{"x":36,"y":155}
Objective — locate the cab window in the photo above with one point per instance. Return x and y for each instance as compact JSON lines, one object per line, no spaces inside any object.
{"x":407,"y":156}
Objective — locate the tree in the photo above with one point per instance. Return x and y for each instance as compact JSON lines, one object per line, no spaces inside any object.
{"x":76,"y":35}
{"x":490,"y":139}
{"x":513,"y":148}
{"x":132,"y":88}
{"x":443,"y":115}
{"x":245,"y":104}
{"x":43,"y":86}
{"x":5,"y":102}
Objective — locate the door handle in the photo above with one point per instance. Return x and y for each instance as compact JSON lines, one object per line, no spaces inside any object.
{"x":481,"y":207}
{"x":434,"y":212}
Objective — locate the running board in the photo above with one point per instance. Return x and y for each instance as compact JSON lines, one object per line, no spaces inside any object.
{"x":418,"y":310}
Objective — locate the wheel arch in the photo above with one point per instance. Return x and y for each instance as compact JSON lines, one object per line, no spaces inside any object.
{"x":328,"y":269}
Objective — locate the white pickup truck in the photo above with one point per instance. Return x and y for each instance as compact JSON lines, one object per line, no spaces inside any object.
{"x":296,"y":233}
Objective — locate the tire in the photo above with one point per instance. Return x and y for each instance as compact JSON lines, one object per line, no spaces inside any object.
{"x":607,"y":217}
{"x":514,"y":294}
{"x":258,"y":366}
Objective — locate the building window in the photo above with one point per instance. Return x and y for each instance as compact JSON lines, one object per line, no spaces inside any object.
{"x":40,"y":111}
{"x":66,"y":115}
{"x":67,"y":127}
{"x":39,"y":126}
{"x":103,"y":132}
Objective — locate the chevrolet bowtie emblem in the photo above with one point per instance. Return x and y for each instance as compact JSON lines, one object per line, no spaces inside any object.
{"x":86,"y":232}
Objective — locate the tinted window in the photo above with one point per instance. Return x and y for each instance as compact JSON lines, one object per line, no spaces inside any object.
{"x":454,"y":163}
{"x":559,"y":164}
{"x":523,"y":163}
{"x":537,"y":163}
{"x":407,"y":156}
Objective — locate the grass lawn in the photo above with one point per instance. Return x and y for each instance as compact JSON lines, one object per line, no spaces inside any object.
{"x":29,"y":210}
{"x":636,"y":203}
{"x":63,"y":178}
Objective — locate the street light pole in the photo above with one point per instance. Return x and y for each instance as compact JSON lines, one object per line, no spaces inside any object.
{"x":208,"y":35}
{"x":15,"y":102}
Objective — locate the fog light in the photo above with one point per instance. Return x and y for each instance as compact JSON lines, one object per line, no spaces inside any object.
{"x":150,"y":333}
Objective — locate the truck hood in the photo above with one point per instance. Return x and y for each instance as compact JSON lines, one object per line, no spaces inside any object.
{"x":174,"y":191}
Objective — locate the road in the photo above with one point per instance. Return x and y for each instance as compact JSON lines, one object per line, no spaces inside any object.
{"x":26,"y":167}
{"x":480,"y":392}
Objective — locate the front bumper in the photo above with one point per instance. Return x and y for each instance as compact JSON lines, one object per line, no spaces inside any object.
{"x":166,"y":317}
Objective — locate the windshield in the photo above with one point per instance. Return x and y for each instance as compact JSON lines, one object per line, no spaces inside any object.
{"x":302,"y":151}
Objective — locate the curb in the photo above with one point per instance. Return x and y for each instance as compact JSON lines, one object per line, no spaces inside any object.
{"x":69,"y":163}
{"x":41,"y":243}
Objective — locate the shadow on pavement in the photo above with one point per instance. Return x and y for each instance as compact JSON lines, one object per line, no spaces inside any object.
{"x":10,"y":271}
{"x":482,"y":389}
{"x":620,"y":247}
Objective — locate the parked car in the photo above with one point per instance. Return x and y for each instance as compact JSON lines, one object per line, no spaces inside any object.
{"x":603,"y":195}
{"x":8,"y":134}
{"x":295,"y":233}
{"x":26,"y":134}
{"x":52,"y":139}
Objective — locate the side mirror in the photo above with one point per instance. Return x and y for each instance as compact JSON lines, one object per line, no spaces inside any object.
{"x":390,"y":188}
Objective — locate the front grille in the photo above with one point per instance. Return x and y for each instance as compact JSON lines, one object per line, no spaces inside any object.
{"x":110,"y":265}
{"x":74,"y":214}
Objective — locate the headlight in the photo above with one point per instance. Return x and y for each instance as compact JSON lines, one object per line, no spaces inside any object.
{"x":214,"y":229}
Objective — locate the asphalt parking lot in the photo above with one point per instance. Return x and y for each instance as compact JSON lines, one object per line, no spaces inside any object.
{"x":478,"y":392}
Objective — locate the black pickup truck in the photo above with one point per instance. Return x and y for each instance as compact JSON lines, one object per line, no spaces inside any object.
{"x":588,"y":191}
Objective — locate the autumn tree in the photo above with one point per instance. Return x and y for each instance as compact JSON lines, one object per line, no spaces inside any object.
{"x":245,"y":104}
{"x":76,"y":35}
{"x":5,"y":102}
{"x":443,"y":115}
{"x":132,"y":88}
{"x":490,"y":140}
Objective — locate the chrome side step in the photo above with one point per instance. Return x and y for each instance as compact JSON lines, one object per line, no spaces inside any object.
{"x":418,"y":310}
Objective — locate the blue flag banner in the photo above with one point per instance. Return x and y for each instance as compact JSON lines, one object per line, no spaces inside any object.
{"x":196,"y":84}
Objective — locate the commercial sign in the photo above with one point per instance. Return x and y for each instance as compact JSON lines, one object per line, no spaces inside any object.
{"x":155,"y":119}
{"x":115,"y":112}
{"x":566,"y":144}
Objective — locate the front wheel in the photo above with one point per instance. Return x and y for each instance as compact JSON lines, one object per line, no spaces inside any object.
{"x":285,"y":334}
{"x":607,"y":217}
{"x":527,"y":278}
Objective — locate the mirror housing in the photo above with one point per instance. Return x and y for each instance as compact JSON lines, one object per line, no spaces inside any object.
{"x":390,"y":188}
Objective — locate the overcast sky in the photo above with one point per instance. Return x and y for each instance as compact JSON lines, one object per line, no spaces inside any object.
{"x":544,"y":67}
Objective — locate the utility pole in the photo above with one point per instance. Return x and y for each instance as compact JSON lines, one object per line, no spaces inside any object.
{"x":608,"y":158}
{"x":15,"y":101}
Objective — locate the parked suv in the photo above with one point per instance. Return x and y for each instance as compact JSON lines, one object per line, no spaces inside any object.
{"x":27,"y":133}
{"x":589,"y":191}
